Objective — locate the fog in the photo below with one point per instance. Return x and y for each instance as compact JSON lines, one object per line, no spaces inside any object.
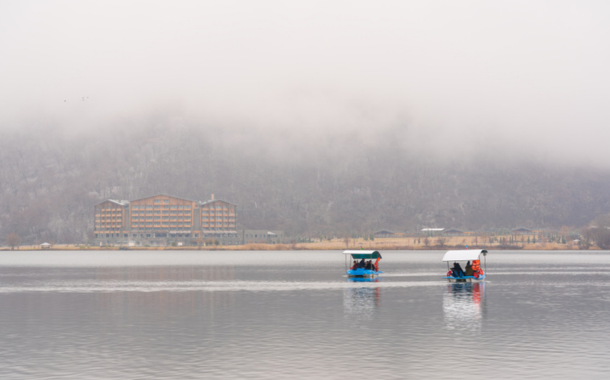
{"x":438,"y":77}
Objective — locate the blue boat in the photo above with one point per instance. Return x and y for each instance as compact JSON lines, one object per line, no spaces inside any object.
{"x":361,"y":269}
{"x":474,"y":273}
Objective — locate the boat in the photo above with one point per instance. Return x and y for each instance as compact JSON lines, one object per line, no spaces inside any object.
{"x":456,"y":274}
{"x":361,"y":256}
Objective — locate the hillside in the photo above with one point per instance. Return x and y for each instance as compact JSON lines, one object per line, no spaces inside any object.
{"x":49,"y":183}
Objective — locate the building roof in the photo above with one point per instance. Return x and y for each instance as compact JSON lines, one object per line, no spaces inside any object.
{"x":432,"y":229}
{"x":522,"y":229}
{"x":118,"y":202}
{"x":215,"y":200}
{"x":164,"y":194}
{"x":453,"y":230}
{"x":384,"y":232}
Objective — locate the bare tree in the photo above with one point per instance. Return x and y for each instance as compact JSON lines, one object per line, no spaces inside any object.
{"x":601,"y":236}
{"x":585,"y":239}
{"x":13,"y":240}
{"x":426,"y":241}
{"x":441,"y":241}
{"x":346,"y":241}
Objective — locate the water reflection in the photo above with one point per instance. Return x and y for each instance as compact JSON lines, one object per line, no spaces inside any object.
{"x":361,"y":303}
{"x":464,"y":306}
{"x":225,"y":315}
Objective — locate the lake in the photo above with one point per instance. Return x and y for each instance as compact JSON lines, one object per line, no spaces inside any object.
{"x":273,"y":315}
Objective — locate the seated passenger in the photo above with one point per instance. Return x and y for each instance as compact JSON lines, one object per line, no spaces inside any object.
{"x":355,"y":265}
{"x":469,"y":270}
{"x":457,"y":270}
{"x":369,"y":265}
{"x":361,"y":264}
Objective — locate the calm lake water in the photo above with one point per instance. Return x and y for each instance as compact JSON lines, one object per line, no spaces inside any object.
{"x":274,"y":315}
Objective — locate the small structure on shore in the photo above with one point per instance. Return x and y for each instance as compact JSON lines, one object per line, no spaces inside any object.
{"x":453,"y":232}
{"x":432,"y":231}
{"x":45,"y":245}
{"x":384,"y":234}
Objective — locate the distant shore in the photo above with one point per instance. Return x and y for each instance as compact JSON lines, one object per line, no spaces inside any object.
{"x":387,"y":244}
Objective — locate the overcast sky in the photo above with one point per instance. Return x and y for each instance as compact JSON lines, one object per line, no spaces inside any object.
{"x":468,"y":75}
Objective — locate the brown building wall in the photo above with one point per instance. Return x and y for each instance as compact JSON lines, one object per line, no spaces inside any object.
{"x":162,"y":219}
{"x":110,"y":218}
{"x":163,"y":213}
{"x":218,"y":216}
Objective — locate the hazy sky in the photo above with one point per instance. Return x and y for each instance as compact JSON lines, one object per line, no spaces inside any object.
{"x":434,"y":75}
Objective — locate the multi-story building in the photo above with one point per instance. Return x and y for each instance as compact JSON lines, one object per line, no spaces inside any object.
{"x":110,"y":218}
{"x":163,"y":219}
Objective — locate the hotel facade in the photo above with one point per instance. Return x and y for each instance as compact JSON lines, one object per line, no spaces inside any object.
{"x":163,"y":219}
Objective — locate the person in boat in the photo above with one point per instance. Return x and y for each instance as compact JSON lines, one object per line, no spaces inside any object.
{"x":457,"y":270}
{"x":369,"y":265}
{"x":355,"y":266}
{"x":476,"y":267}
{"x":362,"y":264}
{"x":469,"y":270}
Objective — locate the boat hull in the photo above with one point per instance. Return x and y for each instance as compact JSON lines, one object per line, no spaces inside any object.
{"x":361,"y":272}
{"x":465,"y":278}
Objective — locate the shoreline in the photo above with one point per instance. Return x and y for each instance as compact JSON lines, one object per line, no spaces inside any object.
{"x":305,"y":247}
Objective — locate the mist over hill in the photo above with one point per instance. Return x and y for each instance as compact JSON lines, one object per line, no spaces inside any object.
{"x":317,"y":117}
{"x":50,"y":180}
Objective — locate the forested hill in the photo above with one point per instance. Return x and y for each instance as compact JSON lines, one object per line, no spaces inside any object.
{"x":50,"y":182}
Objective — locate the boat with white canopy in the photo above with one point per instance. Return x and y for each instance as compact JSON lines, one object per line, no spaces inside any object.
{"x":473,"y":270}
{"x":362,"y":265}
